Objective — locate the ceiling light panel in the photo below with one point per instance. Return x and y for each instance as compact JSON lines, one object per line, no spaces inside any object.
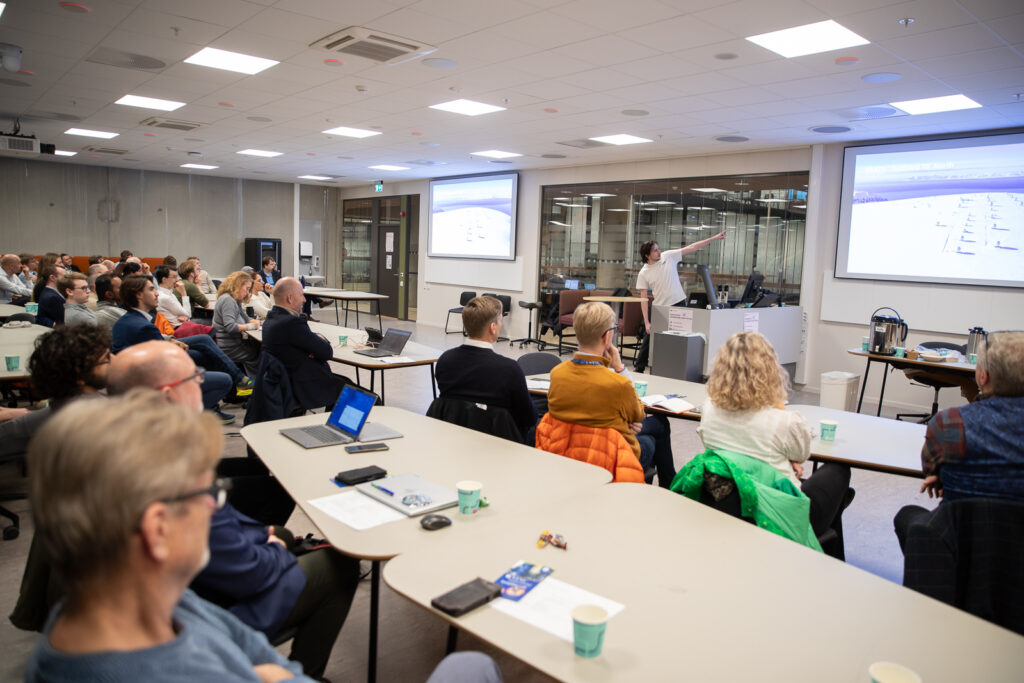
{"x":230,"y":61}
{"x":351,"y":132}
{"x":149,"y":103}
{"x":315,"y":177}
{"x":620,"y":139}
{"x":260,"y":153}
{"x":202,"y":167}
{"x":84,"y":132}
{"x":932,"y":105}
{"x":809,"y":39}
{"x":467,"y":107}
{"x":389,"y":167}
{"x":64,"y":153}
{"x":495,"y":154}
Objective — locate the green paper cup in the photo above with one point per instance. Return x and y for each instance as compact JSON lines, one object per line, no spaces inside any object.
{"x":469,"y":496}
{"x":901,"y":352}
{"x":890,"y":672}
{"x":864,"y":343}
{"x":32,"y":308}
{"x":13,"y":362}
{"x":588,"y":626}
{"x":342,"y":340}
{"x":641,"y":388}
{"x":828,"y":430}
{"x":973,"y":359}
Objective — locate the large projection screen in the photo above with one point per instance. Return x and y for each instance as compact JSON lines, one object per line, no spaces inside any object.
{"x":943,"y":211}
{"x":474,"y":217}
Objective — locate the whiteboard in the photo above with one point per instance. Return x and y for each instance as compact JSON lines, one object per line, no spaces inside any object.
{"x":924,"y":307}
{"x":479,"y":274}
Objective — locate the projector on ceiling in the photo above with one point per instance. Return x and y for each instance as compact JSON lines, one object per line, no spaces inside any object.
{"x":19,"y":146}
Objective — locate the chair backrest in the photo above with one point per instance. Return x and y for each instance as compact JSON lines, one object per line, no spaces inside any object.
{"x":538,"y":362}
{"x":505,"y":299}
{"x":480,"y":417}
{"x":603,"y":447}
{"x":968,"y":553}
{"x":466,"y":297}
{"x":272,"y":397}
{"x":21,"y":316}
{"x":570,"y":299}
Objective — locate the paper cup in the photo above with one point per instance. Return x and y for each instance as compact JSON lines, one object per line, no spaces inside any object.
{"x":342,"y":340}
{"x":13,"y":362}
{"x":973,"y":358}
{"x":864,"y":343}
{"x":890,"y":672}
{"x":828,"y":430}
{"x":588,"y":626}
{"x":641,"y":388}
{"x":32,"y":308}
{"x":469,"y":496}
{"x":901,"y":352}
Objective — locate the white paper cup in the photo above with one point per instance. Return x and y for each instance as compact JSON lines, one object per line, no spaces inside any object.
{"x":891,"y":672}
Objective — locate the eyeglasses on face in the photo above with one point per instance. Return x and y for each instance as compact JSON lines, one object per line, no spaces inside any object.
{"x":199,"y":376}
{"x":218,"y":490}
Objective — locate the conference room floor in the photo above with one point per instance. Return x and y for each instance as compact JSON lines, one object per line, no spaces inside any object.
{"x":412,"y":640}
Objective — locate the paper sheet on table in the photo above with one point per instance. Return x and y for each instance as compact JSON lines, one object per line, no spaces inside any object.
{"x":549,"y":606}
{"x":395,"y":359}
{"x":356,"y":510}
{"x":673,"y":404}
{"x":539,"y":382}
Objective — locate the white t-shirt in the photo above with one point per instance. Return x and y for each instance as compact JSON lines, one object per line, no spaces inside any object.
{"x":662,"y":278}
{"x":171,"y":308}
{"x":769,"y":434}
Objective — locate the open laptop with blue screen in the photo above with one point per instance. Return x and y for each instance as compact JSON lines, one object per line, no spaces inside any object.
{"x":346,"y":424}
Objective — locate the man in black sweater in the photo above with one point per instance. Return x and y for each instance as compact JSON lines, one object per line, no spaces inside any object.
{"x":474,"y":372}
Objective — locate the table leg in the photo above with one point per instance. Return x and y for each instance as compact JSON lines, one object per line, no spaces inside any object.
{"x":453,"y":639}
{"x":380,"y":323}
{"x":864,"y":384}
{"x":881,"y":394}
{"x":433,"y":382}
{"x":337,"y":319}
{"x":371,"y":665}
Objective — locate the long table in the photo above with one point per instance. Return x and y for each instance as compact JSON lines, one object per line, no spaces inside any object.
{"x":959,"y":367}
{"x":694,"y":392}
{"x":347,"y":296}
{"x":515,"y":479}
{"x":707,"y":597}
{"x":18,"y":341}
{"x":418,"y":354}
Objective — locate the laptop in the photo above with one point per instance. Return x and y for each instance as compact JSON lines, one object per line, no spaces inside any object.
{"x":346,"y":424}
{"x":392,"y":344}
{"x":410,"y":494}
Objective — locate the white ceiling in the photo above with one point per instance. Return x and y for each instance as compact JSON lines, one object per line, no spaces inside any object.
{"x":587,"y":60}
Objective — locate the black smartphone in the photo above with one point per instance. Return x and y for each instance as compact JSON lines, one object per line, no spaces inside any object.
{"x":360,"y":475}
{"x":466,"y":597}
{"x":366,"y":447}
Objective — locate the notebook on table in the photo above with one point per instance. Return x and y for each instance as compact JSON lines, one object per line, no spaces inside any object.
{"x":410,"y":494}
{"x":347,"y":423}
{"x":392,"y":344}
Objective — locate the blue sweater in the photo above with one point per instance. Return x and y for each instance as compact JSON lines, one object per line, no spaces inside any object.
{"x":211,"y":645}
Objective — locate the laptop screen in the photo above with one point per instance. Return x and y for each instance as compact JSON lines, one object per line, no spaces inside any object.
{"x":351,"y":411}
{"x":394,"y":340}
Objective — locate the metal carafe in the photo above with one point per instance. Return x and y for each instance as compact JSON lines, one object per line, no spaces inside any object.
{"x":886,"y":332}
{"x":974,"y":337}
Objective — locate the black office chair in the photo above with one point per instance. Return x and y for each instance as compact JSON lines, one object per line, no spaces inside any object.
{"x":480,"y":417}
{"x":464,"y":299}
{"x":11,"y":531}
{"x":530,"y":307}
{"x":506,"y":306}
{"x":537,"y":364}
{"x":28,"y":317}
{"x":924,"y":376}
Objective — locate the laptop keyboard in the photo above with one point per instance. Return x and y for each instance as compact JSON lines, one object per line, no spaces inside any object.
{"x":323,"y":433}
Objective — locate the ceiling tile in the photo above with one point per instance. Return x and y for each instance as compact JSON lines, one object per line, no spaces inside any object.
{"x":609,"y":15}
{"x":605,"y":51}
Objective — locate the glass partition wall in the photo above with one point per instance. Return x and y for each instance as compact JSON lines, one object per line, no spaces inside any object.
{"x":592,"y":233}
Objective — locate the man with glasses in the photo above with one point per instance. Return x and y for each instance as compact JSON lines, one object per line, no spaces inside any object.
{"x":974,"y":450}
{"x":594,"y":389}
{"x":75,"y":289}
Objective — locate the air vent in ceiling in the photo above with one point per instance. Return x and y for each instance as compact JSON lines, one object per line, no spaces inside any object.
{"x":427,"y":162}
{"x":125,"y":60}
{"x":583,"y":143}
{"x":53,"y":115}
{"x":96,"y":149}
{"x":875,"y":111}
{"x":373,"y":45}
{"x":171,"y":124}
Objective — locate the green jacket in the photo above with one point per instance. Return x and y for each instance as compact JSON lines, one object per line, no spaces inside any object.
{"x":766,"y":496}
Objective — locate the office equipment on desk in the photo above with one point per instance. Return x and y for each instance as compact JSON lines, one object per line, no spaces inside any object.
{"x":752,"y":288}
{"x":347,"y":423}
{"x":709,"y":288}
{"x":410,"y":494}
{"x":391,"y":345}
{"x":886,"y":332}
{"x":572,"y":284}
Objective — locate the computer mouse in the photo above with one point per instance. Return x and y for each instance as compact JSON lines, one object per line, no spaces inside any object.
{"x":434,"y":522}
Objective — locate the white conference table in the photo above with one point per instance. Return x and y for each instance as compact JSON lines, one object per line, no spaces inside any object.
{"x":958,"y":368}
{"x":18,"y":341}
{"x":415,"y":353}
{"x":347,"y":295}
{"x":707,"y":598}
{"x":694,"y":392}
{"x":7,"y":310}
{"x":515,"y":479}
{"x":867,"y":442}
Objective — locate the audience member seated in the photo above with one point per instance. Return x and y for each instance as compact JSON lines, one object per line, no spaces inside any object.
{"x":258,"y":298}
{"x":745,"y":414}
{"x":95,"y":270}
{"x":74,"y":287}
{"x":51,"y":303}
{"x":173,"y":303}
{"x":108,"y":298}
{"x":67,"y":262}
{"x":205,"y":282}
{"x":12,"y":288}
{"x":188,"y":271}
{"x":230,"y":321}
{"x":594,"y":389}
{"x":474,"y":372}
{"x":29,"y":266}
{"x":67,"y":363}
{"x":974,"y":450}
{"x":270,"y":273}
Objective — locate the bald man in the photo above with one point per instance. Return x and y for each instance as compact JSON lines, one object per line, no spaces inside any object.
{"x":12,"y":289}
{"x":286,"y":336}
{"x":251,"y":573}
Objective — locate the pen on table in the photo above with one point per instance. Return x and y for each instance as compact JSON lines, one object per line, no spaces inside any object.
{"x":381,"y":488}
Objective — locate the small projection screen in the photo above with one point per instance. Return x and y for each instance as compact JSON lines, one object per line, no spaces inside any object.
{"x":474,"y":217}
{"x":944,"y":211}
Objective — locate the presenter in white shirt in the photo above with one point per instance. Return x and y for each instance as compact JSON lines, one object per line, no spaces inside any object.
{"x":660,"y":275}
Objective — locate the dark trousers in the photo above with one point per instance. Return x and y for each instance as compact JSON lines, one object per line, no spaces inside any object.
{"x":640,"y":364}
{"x":205,"y":352}
{"x":254,"y":492}
{"x":320,"y":611}
{"x":656,"y":447}
{"x":827,"y":488}
{"x":908,"y":515}
{"x":215,"y":387}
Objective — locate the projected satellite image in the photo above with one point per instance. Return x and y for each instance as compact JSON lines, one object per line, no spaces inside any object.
{"x":472,"y":218}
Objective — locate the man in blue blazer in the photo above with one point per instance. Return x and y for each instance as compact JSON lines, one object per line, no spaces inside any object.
{"x":286,"y":336}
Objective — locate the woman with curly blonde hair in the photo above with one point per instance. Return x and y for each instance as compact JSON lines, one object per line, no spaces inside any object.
{"x":231,"y":321}
{"x":745,"y":412}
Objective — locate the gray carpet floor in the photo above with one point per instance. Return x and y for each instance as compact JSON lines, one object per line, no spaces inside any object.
{"x":412,"y":640}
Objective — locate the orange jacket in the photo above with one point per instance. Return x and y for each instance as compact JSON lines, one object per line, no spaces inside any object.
{"x":604,"y":447}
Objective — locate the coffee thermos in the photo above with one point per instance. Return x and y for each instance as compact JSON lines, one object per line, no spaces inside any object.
{"x":886,"y":332}
{"x":974,"y":337}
